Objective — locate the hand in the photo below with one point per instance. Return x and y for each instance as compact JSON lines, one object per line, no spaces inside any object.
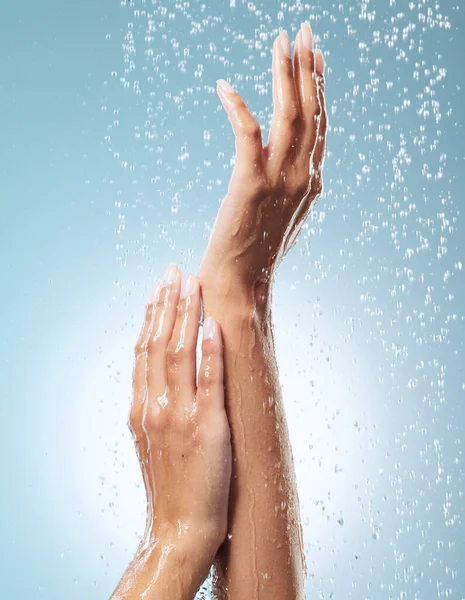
{"x":272,"y":188}
{"x":182,"y":436}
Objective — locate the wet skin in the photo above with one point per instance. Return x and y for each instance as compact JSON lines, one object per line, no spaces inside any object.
{"x":182,"y":439}
{"x":272,"y":187}
{"x":271,"y":192}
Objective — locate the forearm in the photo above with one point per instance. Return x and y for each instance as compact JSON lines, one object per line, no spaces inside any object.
{"x":263,"y":557}
{"x":165,"y":569}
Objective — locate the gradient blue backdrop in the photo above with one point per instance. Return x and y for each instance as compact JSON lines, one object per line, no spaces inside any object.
{"x":115,"y":153}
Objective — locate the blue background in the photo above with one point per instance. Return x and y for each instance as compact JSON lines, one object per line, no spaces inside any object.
{"x":115,"y":154}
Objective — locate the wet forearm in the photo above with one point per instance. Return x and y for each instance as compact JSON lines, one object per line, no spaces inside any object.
{"x":165,"y":570}
{"x":263,"y":555}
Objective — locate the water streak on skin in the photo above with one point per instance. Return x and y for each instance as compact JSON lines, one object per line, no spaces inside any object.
{"x":154,"y":335}
{"x":144,"y":460}
{"x":161,"y":563}
{"x":150,"y":500}
{"x":139,"y":563}
{"x":245,"y":453}
{"x":148,"y":488}
{"x":163,"y":399}
{"x":182,"y":333}
{"x":151,"y":488}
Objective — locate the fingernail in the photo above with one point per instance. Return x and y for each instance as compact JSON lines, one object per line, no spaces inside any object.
{"x":170,"y":274}
{"x":226,"y":86}
{"x":319,"y":62}
{"x":307,"y":36}
{"x":187,"y":286}
{"x":285,"y":44}
{"x":209,"y":328}
{"x":155,"y":292}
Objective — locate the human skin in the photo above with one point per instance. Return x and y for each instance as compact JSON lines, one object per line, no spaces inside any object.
{"x":182,"y":439}
{"x":271,"y":192}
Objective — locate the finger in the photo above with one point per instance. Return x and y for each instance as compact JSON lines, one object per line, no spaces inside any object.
{"x":210,"y":388}
{"x":320,"y":147}
{"x":181,"y":353}
{"x":286,"y":120}
{"x":249,"y":148}
{"x":160,"y":335}
{"x":136,"y":414}
{"x":306,"y":84}
{"x":316,"y":162}
{"x":140,"y":365}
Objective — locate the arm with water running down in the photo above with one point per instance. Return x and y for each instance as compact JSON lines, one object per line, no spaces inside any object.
{"x":270,"y":194}
{"x":183,"y":443}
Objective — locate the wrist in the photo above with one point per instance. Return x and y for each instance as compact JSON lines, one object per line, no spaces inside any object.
{"x":224,"y":293}
{"x":173,"y":565}
{"x":225,"y":282}
{"x":199,"y":543}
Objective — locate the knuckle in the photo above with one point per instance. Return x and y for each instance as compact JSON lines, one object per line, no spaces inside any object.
{"x":259,"y":188}
{"x":208,"y":377}
{"x":171,"y":355}
{"x":162,"y":298}
{"x":135,"y":420}
{"x":182,"y":308}
{"x":302,"y":187}
{"x":177,"y":354}
{"x":298,"y":187}
{"x":292,"y":117}
{"x":149,"y":420}
{"x":155,"y":344}
{"x":165,"y":301}
{"x":251,"y":130}
{"x":140,"y":347}
{"x":155,"y":419}
{"x":184,"y":424}
{"x":208,"y":349}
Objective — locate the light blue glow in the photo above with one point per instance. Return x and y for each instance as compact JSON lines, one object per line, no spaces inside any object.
{"x":108,"y":175}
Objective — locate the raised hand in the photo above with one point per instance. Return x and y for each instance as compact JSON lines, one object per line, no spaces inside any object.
{"x":183,"y":442}
{"x":272,"y":187}
{"x":270,"y":194}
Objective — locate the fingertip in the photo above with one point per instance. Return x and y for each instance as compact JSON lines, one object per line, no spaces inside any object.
{"x":212,"y":337}
{"x":307,"y":35}
{"x":171,"y":274}
{"x":227,"y":95}
{"x":210,"y":329}
{"x":285,"y":44}
{"x":224,"y":86}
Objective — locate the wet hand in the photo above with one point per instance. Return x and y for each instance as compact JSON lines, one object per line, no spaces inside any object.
{"x":272,"y":187}
{"x":180,"y":425}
